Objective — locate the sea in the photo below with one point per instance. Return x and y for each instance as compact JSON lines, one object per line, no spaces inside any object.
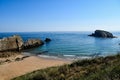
{"x":73,"y":45}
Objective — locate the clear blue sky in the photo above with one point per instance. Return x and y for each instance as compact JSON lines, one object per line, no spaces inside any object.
{"x":59,"y":15}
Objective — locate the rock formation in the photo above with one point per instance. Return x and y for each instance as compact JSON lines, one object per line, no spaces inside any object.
{"x":15,"y":43}
{"x":31,"y":43}
{"x":102,"y":34}
{"x":47,"y":40}
{"x":11,"y":43}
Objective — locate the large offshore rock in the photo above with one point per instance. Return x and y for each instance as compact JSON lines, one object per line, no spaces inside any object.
{"x":31,"y":43}
{"x":14,"y":43}
{"x":102,"y":34}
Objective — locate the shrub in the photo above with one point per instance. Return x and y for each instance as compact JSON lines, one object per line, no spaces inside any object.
{"x":107,"y":68}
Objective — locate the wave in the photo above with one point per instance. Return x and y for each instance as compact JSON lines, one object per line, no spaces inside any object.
{"x":47,"y":56}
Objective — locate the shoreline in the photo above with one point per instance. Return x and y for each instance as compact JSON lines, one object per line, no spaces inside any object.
{"x":68,"y":56}
{"x":62,"y":57}
{"x":50,"y":57}
{"x":21,"y":64}
{"x":28,"y":64}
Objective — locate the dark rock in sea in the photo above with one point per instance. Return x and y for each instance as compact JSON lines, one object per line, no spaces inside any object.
{"x":47,"y":40}
{"x":31,"y":43}
{"x":102,"y":34}
{"x":14,"y":43}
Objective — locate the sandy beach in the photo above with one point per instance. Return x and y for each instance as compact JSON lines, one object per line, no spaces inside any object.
{"x":29,"y":64}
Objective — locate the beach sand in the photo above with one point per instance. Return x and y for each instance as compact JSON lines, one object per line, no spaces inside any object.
{"x":29,"y":64}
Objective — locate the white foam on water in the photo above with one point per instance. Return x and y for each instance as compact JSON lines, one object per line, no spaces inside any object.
{"x":69,"y":55}
{"x":47,"y":56}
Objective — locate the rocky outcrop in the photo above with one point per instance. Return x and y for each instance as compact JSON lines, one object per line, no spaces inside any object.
{"x":15,"y":43}
{"x":11,"y":43}
{"x":31,"y":43}
{"x":47,"y":40}
{"x":102,"y":34}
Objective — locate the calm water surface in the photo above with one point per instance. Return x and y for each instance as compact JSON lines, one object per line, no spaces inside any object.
{"x":72,"y":44}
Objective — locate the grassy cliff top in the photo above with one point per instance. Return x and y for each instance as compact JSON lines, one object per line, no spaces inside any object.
{"x":107,"y":68}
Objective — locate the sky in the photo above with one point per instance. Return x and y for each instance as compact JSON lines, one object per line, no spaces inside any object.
{"x":59,"y":15}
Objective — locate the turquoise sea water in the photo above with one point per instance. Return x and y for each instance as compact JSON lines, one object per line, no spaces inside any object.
{"x":72,"y":44}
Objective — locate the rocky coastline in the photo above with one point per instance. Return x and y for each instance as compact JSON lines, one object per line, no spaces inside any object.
{"x":16,"y":43}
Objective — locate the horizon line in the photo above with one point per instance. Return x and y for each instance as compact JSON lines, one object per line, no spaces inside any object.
{"x":57,"y":31}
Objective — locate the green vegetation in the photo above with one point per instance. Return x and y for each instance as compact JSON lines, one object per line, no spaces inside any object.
{"x":107,"y":68}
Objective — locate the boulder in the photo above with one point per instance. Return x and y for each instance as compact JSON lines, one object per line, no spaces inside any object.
{"x":14,"y":43}
{"x":102,"y":34}
{"x":31,"y":43}
{"x":47,"y":40}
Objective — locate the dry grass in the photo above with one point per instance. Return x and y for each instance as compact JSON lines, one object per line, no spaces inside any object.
{"x":107,"y":68}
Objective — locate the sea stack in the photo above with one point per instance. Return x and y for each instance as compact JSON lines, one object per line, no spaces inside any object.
{"x":102,"y":34}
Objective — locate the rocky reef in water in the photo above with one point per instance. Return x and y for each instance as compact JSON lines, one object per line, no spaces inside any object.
{"x":47,"y":40}
{"x":31,"y":43}
{"x":102,"y":34}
